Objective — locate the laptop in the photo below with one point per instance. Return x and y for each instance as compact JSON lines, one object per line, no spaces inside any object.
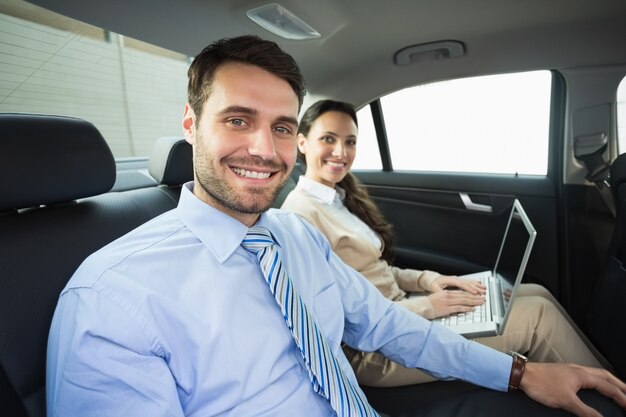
{"x":502,"y":282}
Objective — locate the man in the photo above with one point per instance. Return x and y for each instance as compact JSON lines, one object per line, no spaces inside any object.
{"x":185,"y":316}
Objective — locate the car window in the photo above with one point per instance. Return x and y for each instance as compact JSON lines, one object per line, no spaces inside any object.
{"x":488,"y":124}
{"x":621,"y":116}
{"x":131,"y":91}
{"x":368,"y":155}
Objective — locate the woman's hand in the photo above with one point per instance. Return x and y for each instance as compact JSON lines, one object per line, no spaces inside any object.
{"x":450,"y":281}
{"x":449,"y":302}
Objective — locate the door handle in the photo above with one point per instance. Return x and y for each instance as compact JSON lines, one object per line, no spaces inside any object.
{"x":470,"y":205}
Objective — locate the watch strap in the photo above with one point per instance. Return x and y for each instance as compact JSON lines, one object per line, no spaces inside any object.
{"x":517,"y":370}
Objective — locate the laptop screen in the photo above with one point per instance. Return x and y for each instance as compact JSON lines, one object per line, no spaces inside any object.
{"x":514,"y":253}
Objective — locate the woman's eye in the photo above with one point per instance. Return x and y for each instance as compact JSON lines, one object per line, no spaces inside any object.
{"x":351,"y":143}
{"x":328,"y":139}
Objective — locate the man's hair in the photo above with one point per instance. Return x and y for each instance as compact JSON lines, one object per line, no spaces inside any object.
{"x":250,"y":50}
{"x":358,"y":200}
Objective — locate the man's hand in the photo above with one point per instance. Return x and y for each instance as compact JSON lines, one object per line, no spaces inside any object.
{"x":556,"y":385}
{"x":451,"y":281}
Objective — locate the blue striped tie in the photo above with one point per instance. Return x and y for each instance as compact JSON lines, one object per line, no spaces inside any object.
{"x":326,"y":375}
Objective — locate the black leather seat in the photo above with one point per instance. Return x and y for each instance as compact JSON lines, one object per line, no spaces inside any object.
{"x":54,"y":212}
{"x":606,"y":324}
{"x":171,"y":163}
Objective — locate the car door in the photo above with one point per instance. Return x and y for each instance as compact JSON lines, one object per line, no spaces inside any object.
{"x":449,"y":202}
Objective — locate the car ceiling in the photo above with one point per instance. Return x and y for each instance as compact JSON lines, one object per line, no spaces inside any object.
{"x":353,"y":60}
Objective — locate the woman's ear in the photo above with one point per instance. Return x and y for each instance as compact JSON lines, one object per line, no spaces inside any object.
{"x":301,"y":143}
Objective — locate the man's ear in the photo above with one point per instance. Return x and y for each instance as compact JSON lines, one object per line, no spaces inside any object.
{"x":189,"y":124}
{"x":301,"y":143}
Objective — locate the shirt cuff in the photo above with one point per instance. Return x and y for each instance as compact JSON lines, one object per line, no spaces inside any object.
{"x":488,"y":367}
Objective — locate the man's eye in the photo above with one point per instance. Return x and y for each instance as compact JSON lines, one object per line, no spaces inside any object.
{"x":282,"y":130}
{"x":237,"y":122}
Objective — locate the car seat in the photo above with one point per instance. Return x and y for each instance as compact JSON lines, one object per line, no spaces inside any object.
{"x":54,"y":211}
{"x":606,"y":324}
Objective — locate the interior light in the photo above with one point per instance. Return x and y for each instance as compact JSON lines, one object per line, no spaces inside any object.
{"x":282,"y":22}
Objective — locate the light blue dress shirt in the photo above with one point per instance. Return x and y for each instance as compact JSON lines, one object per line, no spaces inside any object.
{"x":175,"y":319}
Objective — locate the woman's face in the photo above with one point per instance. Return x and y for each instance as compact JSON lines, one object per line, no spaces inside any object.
{"x":329,"y":148}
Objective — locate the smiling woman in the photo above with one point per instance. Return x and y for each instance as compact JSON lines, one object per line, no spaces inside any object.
{"x":333,"y":201}
{"x":328,"y":148}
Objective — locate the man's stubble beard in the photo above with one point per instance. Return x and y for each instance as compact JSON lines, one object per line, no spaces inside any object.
{"x":221,"y":193}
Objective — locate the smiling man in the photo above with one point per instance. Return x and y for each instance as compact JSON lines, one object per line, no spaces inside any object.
{"x":244,"y":146}
{"x":221,"y":307}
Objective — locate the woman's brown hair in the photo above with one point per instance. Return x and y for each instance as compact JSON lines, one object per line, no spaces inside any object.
{"x":357,"y":200}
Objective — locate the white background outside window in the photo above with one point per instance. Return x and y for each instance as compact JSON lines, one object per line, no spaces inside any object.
{"x":490,"y":124}
{"x":621,"y":116}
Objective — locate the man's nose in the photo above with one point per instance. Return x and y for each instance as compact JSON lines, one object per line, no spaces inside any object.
{"x":262,"y":144}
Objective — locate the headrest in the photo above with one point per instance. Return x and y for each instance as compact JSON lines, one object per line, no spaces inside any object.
{"x":51,"y":159}
{"x":171,"y":161}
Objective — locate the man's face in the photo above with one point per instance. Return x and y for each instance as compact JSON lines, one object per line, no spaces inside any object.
{"x":244,"y":145}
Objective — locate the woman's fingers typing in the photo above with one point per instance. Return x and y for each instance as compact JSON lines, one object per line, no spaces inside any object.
{"x":446,"y":281}
{"x":450,"y":302}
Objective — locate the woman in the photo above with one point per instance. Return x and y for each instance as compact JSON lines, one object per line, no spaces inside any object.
{"x":332,"y":199}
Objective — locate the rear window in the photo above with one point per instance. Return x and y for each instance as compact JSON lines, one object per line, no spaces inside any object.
{"x":368,"y":155}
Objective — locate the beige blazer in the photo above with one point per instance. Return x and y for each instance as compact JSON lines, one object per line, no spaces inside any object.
{"x":394,"y":283}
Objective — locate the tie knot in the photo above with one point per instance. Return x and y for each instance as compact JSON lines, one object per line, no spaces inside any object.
{"x":257,"y":238}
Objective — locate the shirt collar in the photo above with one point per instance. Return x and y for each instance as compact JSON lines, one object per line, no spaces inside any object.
{"x":320,"y":191}
{"x":218,"y":231}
